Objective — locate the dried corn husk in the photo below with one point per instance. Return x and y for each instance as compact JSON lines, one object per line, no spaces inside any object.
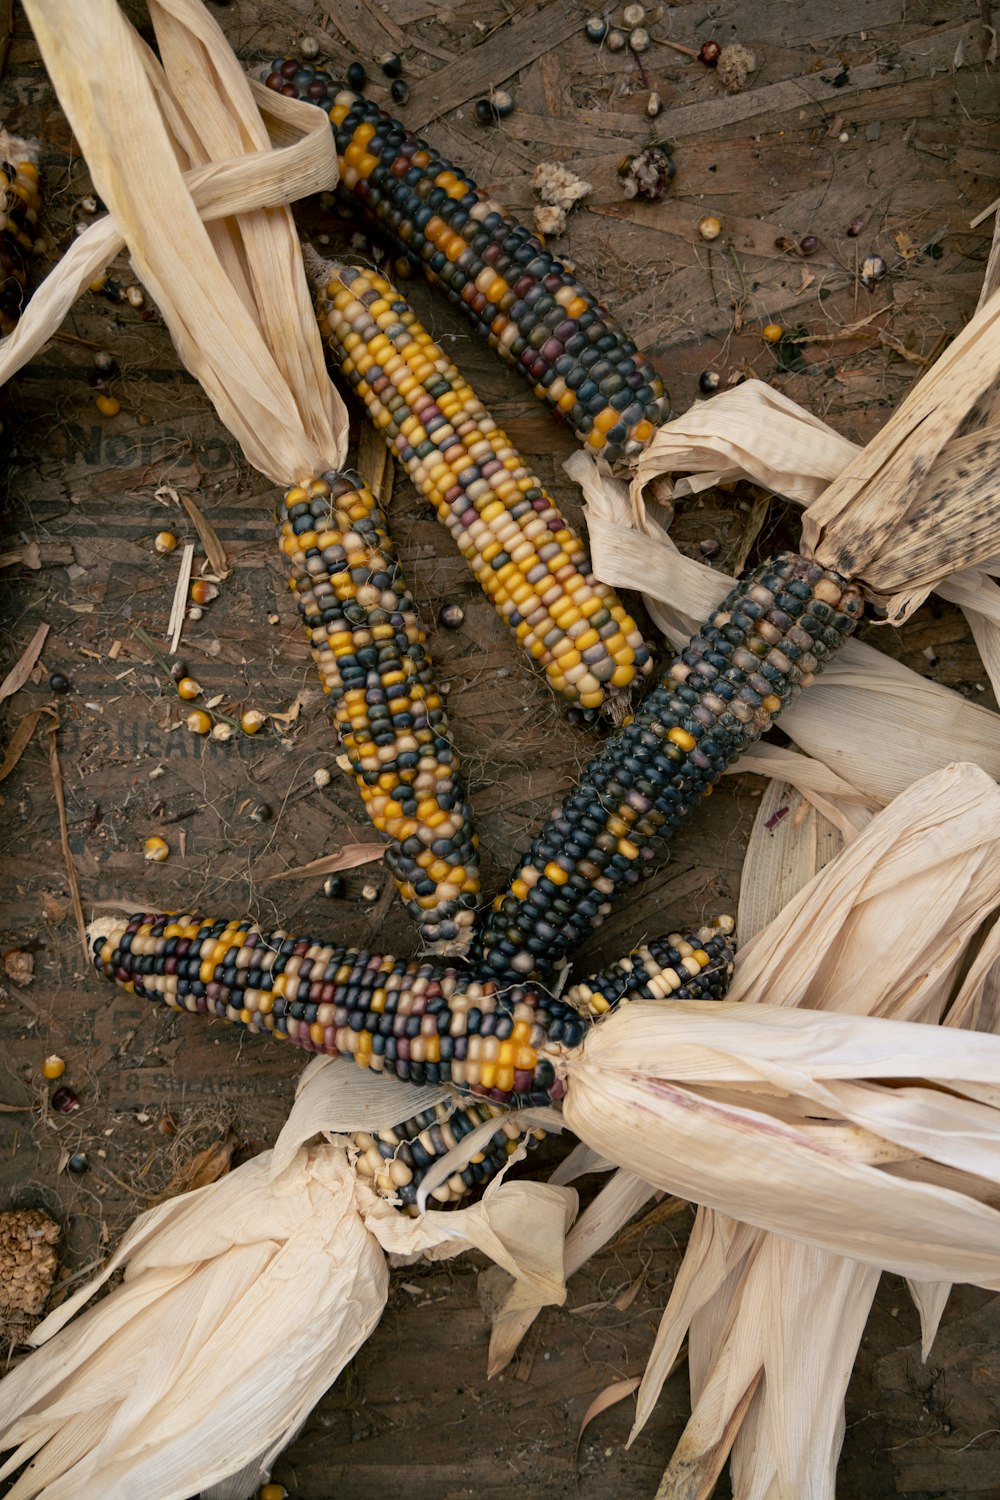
{"x":913,"y":507}
{"x":801,"y":1122}
{"x":792,"y":1114}
{"x":183,"y":157}
{"x":773,"y":1326}
{"x":245,"y":1297}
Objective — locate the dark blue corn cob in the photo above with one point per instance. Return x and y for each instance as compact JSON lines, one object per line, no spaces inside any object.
{"x":427,"y":1022}
{"x":770,"y":638}
{"x":370,"y":648}
{"x":523,"y":301}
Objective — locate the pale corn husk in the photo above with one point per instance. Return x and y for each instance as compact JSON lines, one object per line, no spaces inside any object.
{"x":885,"y":930}
{"x":773,"y":1326}
{"x":182,"y":156}
{"x":247,"y":1296}
{"x":896,"y":520}
{"x":790,"y":1120}
{"x":913,"y":507}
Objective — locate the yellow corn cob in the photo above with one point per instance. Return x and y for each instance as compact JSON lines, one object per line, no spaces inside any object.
{"x":369,"y":646}
{"x":526,"y":557}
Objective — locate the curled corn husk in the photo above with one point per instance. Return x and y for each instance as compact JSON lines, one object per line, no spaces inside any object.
{"x":175,"y":149}
{"x":797,"y":1105}
{"x":773,"y":1326}
{"x":771,"y":1107}
{"x":246,"y":1296}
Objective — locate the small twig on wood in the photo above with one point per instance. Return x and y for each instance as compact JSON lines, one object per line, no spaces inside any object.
{"x":146,"y":640}
{"x":178,"y":609}
{"x":57,"y":787}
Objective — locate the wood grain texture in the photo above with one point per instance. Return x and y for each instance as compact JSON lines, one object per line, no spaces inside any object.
{"x":414,"y":1414}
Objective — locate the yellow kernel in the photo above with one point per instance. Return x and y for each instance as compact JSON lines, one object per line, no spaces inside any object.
{"x":188,"y":689}
{"x":772,"y":333}
{"x":108,"y":406}
{"x":681,"y":739}
{"x":199,"y":722}
{"x":165,"y":541}
{"x":156,"y":849}
{"x":53,"y":1067}
{"x":203,"y":591}
{"x":710,"y":227}
{"x":556,"y":873}
{"x":251,"y":720}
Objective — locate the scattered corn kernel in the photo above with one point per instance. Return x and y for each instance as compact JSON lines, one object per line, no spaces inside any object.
{"x":222,"y":732}
{"x":772,"y":333}
{"x":710,"y":227}
{"x":189,"y":689}
{"x":251,"y":720}
{"x":203,"y":591}
{"x":165,"y":541}
{"x":108,"y":406}
{"x":199,"y":722}
{"x":53,"y":1067}
{"x":156,"y":850}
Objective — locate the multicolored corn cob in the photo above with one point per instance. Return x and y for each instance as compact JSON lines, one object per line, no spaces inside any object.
{"x":396,"y":1162}
{"x":20,"y":203}
{"x":770,"y":637}
{"x":426,"y":1021}
{"x":526,"y":557}
{"x":525,"y":303}
{"x":369,"y":646}
{"x":696,"y":967}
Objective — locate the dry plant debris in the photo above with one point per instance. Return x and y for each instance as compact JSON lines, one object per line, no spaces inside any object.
{"x":28,"y":1259}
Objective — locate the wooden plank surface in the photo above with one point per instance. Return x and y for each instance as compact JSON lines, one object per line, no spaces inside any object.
{"x":861,"y":112}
